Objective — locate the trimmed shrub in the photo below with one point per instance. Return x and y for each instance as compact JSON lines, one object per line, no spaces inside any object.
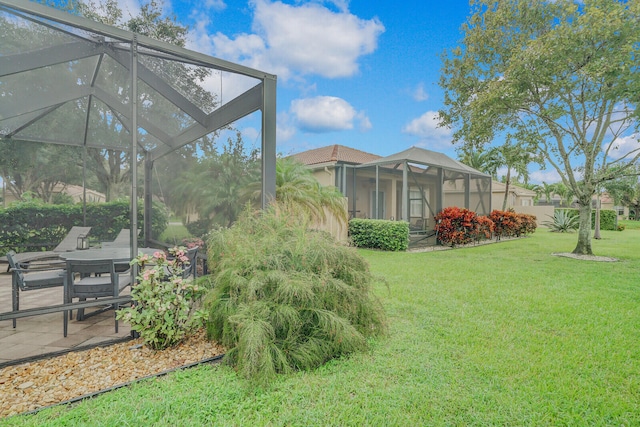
{"x":34,"y":225}
{"x":506,"y":223}
{"x":458,"y":226}
{"x":485,"y":228}
{"x":608,"y":218}
{"x":528,"y":224}
{"x":286,"y":298}
{"x":379,"y":234}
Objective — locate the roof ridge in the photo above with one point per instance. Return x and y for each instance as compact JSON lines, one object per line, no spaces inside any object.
{"x":334,"y":153}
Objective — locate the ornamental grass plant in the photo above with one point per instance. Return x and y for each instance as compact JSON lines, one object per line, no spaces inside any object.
{"x":285,"y":297}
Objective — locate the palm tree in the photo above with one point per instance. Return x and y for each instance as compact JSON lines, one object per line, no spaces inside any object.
{"x":295,"y":184}
{"x":296,"y":187}
{"x":483,"y":161}
{"x":516,"y":159}
{"x":215,"y":185}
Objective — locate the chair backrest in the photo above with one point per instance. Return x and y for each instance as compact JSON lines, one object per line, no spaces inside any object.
{"x":83,"y":267}
{"x":37,"y":279}
{"x":191,"y":269}
{"x":70,"y":241}
{"x":15,"y":268}
{"x":86,"y":285}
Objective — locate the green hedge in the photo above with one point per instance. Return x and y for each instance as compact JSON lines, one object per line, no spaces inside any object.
{"x":33,"y":226}
{"x":608,"y":218}
{"x":379,"y":234}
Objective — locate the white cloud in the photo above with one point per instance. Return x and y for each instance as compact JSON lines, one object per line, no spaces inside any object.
{"x":293,"y":41}
{"x":426,"y":128}
{"x":365,"y":123}
{"x":326,"y":114}
{"x":550,"y":176}
{"x":285,"y":129}
{"x":215,"y":4}
{"x":419,"y":94}
{"x":624,"y":146}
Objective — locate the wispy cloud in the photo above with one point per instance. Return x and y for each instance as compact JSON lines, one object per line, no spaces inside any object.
{"x":624,"y":146}
{"x":550,"y":176}
{"x":326,"y":114}
{"x":419,"y":94}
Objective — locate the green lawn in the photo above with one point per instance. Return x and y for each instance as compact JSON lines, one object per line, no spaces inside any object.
{"x":630,"y":224}
{"x":502,"y":334}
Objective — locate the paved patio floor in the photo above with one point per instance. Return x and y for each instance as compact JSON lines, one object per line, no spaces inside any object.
{"x":39,"y":335}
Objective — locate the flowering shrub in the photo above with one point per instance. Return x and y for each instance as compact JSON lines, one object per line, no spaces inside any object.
{"x":528,"y":224}
{"x":164,"y":310}
{"x":456,"y":226}
{"x":506,"y":223}
{"x":192,"y":242}
{"x":485,"y":228}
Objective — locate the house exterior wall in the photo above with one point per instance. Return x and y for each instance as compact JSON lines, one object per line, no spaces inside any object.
{"x":542,"y":213}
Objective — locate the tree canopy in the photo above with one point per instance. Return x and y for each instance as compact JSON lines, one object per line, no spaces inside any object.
{"x":559,"y":78}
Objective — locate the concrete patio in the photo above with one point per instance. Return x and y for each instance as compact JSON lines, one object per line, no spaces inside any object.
{"x":40,"y":335}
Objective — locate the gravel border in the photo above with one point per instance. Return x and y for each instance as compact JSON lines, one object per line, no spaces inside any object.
{"x":74,"y":376}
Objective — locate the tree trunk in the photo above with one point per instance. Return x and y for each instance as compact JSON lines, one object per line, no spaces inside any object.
{"x":584,"y":230}
{"x":506,"y":190}
{"x":596,"y":233}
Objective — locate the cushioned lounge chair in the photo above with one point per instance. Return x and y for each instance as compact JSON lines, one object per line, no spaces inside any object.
{"x":69,"y":243}
{"x":28,"y":280}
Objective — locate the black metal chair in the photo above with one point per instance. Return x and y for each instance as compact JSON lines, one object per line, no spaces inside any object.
{"x":92,"y":279}
{"x":32,"y":279}
{"x":189,"y":269}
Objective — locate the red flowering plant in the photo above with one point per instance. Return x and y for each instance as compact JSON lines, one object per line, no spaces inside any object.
{"x":528,"y":224}
{"x":485,"y":228}
{"x":456,"y":226}
{"x":506,"y":223}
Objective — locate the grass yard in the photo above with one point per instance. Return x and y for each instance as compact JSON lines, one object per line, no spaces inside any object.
{"x":174,"y":233}
{"x":502,"y":334}
{"x":630,"y":224}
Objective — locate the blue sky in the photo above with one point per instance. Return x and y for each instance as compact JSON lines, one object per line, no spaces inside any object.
{"x":358,"y":73}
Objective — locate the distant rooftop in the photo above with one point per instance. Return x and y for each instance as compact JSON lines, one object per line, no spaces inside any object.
{"x":333,"y":154}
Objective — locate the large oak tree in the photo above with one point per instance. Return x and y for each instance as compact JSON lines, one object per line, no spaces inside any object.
{"x":560,"y":78}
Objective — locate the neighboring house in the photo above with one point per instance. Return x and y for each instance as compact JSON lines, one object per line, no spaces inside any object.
{"x":75,"y":191}
{"x":606,"y":203}
{"x":413,"y":185}
{"x":518,"y":196}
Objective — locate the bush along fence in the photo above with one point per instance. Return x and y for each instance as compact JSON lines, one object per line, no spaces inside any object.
{"x":608,"y":218}
{"x":379,"y":234}
{"x":457,"y":226}
{"x":33,"y":226}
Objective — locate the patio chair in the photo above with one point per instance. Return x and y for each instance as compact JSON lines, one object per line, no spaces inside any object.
{"x":69,"y":243}
{"x":23,"y":280}
{"x":92,"y":279}
{"x":191,"y":268}
{"x":122,"y":240}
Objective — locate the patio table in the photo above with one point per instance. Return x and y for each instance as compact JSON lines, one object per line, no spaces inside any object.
{"x":119,"y":255}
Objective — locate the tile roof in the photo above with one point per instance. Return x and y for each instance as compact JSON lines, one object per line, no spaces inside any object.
{"x":333,"y":154}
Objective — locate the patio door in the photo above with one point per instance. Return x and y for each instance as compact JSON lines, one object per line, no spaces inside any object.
{"x":382,"y":214}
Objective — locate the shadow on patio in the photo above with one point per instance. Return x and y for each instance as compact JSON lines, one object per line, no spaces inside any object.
{"x":43,"y":334}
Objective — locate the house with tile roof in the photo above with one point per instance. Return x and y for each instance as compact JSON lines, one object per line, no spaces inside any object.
{"x":413,"y":185}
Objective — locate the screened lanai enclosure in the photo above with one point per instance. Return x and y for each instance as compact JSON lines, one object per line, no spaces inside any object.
{"x":122,"y":114}
{"x":413,"y":185}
